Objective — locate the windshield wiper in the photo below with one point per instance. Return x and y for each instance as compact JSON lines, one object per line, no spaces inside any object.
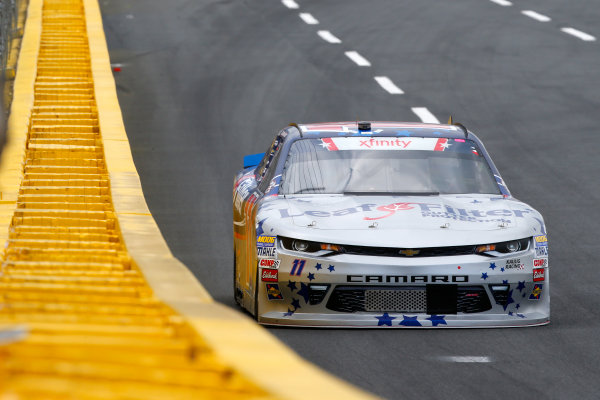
{"x":378,"y":193}
{"x":307,"y":189}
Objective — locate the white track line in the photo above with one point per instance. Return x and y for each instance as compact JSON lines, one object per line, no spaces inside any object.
{"x":387,"y":85}
{"x":425,"y":115}
{"x":504,"y":3}
{"x":536,"y":16}
{"x":308,"y":18}
{"x":328,"y":37}
{"x":358,"y":59}
{"x":467,"y":359}
{"x":290,"y":4}
{"x":578,"y":34}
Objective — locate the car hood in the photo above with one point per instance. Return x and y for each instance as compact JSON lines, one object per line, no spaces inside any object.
{"x":405,"y":221}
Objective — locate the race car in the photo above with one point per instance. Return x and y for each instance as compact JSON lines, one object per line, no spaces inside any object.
{"x":385,"y":224}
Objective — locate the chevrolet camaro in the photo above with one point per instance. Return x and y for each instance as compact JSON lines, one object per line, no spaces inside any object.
{"x":385,"y":224}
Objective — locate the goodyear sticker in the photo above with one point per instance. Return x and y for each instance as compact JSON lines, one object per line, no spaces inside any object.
{"x":536,"y":293}
{"x":265,"y":241}
{"x":541,"y":241}
{"x":273,"y":292}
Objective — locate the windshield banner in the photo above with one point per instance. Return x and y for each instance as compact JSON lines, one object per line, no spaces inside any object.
{"x":384,"y":143}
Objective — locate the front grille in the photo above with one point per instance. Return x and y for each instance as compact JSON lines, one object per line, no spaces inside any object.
{"x":408,"y":300}
{"x":430,"y":299}
{"x":422,"y":252}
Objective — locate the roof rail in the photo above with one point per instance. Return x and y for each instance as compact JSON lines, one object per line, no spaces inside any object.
{"x":295,"y":125}
{"x":461,"y":126}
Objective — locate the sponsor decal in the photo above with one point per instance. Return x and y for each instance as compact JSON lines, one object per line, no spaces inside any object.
{"x":427,"y":210}
{"x":541,"y":241}
{"x":514,"y":263}
{"x":407,"y":278}
{"x":268,"y":263}
{"x":269,"y":275}
{"x":266,"y":252}
{"x":541,"y":251}
{"x":388,"y":143}
{"x":297,"y":267}
{"x":273,"y":292}
{"x":539,"y":274}
{"x":265,"y":241}
{"x":536,"y":293}
{"x":540,"y":262}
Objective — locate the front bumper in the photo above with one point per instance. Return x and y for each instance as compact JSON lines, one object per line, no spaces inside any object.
{"x":498,"y":292}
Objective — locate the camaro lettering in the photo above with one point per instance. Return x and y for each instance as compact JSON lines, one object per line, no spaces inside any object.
{"x":407,"y":278}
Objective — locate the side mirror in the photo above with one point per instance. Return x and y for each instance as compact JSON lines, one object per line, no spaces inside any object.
{"x":252,"y":160}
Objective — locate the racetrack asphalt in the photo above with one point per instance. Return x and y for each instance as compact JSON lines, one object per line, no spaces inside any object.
{"x":202,"y":83}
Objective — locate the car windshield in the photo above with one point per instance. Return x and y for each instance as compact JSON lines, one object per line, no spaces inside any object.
{"x":386,"y":165}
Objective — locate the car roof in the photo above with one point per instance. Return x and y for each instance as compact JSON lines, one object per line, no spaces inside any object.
{"x":381,"y":128}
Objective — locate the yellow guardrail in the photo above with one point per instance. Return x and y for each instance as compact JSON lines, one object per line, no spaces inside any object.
{"x":106,"y":311}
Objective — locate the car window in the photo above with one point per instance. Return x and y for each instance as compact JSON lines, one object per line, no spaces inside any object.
{"x":386,"y":165}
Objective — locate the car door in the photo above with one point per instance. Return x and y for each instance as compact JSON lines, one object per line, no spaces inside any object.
{"x":246,"y":228}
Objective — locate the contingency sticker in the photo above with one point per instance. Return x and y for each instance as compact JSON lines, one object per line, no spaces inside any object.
{"x":536,"y":293}
{"x":269,"y":275}
{"x":269,"y":252}
{"x":541,"y":241}
{"x":268,"y":263}
{"x":265,"y":241}
{"x":273,"y":292}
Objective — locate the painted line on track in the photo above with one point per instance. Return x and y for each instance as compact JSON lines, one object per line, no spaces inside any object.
{"x":503,"y":3}
{"x":578,"y":34}
{"x":425,"y":115}
{"x":467,"y":359}
{"x":290,"y":4}
{"x":535,"y":15}
{"x":329,"y":37}
{"x":358,"y":59}
{"x":308,"y":18}
{"x":389,"y":86}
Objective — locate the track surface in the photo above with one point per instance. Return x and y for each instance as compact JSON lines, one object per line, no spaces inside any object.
{"x":205,"y":82}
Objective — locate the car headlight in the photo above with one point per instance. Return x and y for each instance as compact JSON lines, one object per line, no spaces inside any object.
{"x":511,"y":246}
{"x":307,"y":246}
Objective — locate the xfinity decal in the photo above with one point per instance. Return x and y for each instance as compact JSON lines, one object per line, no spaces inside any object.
{"x":407,"y":278}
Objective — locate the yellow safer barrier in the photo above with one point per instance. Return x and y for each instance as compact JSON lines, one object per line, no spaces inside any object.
{"x":101,"y":307}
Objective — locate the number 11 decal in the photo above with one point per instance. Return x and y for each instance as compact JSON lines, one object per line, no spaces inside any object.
{"x":297,"y":267}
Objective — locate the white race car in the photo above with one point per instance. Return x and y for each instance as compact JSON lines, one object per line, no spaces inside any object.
{"x":385,"y":224}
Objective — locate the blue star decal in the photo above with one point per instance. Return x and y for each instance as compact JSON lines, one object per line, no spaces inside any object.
{"x":259,"y":228}
{"x":509,"y":300}
{"x":484,"y":275}
{"x":504,"y":280}
{"x":303,"y":291}
{"x":296,"y":304}
{"x":288,"y":313}
{"x":521,"y":286}
{"x":437,"y":320}
{"x":385,"y":319}
{"x":510,"y":313}
{"x":331,"y":268}
{"x":318,"y":266}
{"x":492,"y":266}
{"x":311,"y":276}
{"x":476,"y":201}
{"x":520,"y":316}
{"x":410,"y":321}
{"x":518,"y":306}
{"x":403,"y":133}
{"x":436,"y":133}
{"x":292,"y":285}
{"x":502,"y":269}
